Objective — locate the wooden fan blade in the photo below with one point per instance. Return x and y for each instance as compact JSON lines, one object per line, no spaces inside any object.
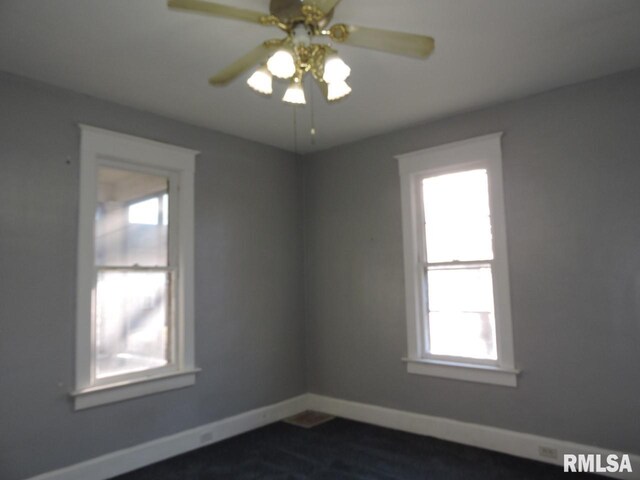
{"x":258,"y":55}
{"x":218,"y":10}
{"x":323,"y":5}
{"x":407,"y":44}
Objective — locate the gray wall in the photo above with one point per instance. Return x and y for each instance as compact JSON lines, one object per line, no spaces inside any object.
{"x":571,"y":168}
{"x":249,"y":338}
{"x":572,"y":186}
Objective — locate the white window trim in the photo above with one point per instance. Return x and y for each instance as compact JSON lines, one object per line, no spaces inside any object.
{"x":99,"y":146}
{"x":479,"y":152}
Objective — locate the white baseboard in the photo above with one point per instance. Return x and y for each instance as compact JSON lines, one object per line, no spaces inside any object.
{"x":129,"y":459}
{"x":500,"y":440}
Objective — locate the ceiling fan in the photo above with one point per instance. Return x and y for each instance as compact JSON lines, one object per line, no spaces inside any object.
{"x":307,"y":48}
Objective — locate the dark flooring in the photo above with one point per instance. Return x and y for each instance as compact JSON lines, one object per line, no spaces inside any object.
{"x":341,"y":450}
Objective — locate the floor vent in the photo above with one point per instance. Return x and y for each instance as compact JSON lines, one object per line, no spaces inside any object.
{"x":308,"y":419}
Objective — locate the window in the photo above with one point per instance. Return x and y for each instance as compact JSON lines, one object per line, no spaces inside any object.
{"x":135,"y":268}
{"x":456,"y":275}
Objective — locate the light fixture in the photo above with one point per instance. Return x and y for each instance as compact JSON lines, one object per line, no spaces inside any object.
{"x":335,"y":70}
{"x":338,"y":90}
{"x":261,"y":81}
{"x":307,"y":47}
{"x":281,"y":64}
{"x":293,"y":61}
{"x":295,"y":93}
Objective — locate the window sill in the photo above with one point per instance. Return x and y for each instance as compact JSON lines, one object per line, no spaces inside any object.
{"x":116,"y":392}
{"x":506,"y":377}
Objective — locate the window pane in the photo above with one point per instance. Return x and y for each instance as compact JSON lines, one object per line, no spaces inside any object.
{"x":131,"y":226}
{"x":145,"y":212}
{"x":457,"y":217}
{"x":461,"y":312}
{"x":131,"y":322}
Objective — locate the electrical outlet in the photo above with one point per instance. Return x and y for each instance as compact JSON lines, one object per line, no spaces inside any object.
{"x":547,"y":452}
{"x":206,"y":438}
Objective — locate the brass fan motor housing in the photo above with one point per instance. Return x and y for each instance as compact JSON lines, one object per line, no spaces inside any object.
{"x":291,"y":12}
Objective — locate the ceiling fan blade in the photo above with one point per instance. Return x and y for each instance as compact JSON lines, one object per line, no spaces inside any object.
{"x":398,"y":43}
{"x":323,"y":5}
{"x":218,"y":10}
{"x":258,"y":55}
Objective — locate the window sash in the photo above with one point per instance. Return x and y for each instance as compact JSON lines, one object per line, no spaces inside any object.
{"x":173,"y":357}
{"x":425,"y":327}
{"x":174,"y":362}
{"x":173,"y":230}
{"x":425,"y":265}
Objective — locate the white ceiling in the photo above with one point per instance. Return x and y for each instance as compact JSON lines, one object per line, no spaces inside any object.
{"x":141,"y":54}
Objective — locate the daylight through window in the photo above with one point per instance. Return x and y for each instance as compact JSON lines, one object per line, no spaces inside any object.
{"x":135,"y":268}
{"x":456,"y":272}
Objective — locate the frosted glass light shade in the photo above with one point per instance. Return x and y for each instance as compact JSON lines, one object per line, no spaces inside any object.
{"x":281,"y":64}
{"x":261,"y":81}
{"x":295,"y":94}
{"x":338,"y":90}
{"x":335,"y":70}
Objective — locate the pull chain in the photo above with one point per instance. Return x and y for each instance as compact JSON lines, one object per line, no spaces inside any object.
{"x":295,"y":130}
{"x":313,"y":121}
